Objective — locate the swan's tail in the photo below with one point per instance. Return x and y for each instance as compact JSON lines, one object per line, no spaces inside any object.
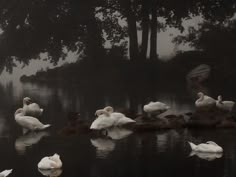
{"x":125,"y":120}
{"x":46,"y":126}
{"x":193,"y":146}
{"x":5,"y":173}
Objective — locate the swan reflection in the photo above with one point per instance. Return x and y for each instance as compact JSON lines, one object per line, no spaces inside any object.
{"x":206,"y":155}
{"x":103,"y":146}
{"x":117,"y":133}
{"x":51,"y":172}
{"x":28,"y":140}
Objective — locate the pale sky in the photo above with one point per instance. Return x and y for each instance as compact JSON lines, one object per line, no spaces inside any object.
{"x":165,"y":49}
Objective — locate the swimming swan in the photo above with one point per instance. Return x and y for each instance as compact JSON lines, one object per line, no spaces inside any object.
{"x":119,"y":118}
{"x":31,"y":109}
{"x":204,"y":101}
{"x":51,"y":162}
{"x":28,"y":122}
{"x":103,"y":121}
{"x":209,"y":156}
{"x":224,"y":105}
{"x":5,"y":173}
{"x":209,"y":146}
{"x":155,"y":107}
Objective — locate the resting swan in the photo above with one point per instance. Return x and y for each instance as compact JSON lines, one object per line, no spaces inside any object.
{"x":119,"y":118}
{"x":51,"y":162}
{"x":31,"y":109}
{"x":224,"y":105}
{"x":209,"y":146}
{"x":103,"y":121}
{"x":204,"y":101}
{"x":209,"y":156}
{"x":28,"y":122}
{"x":155,"y":108}
{"x":5,"y":173}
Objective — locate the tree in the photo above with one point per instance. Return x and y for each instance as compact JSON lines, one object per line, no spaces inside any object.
{"x":145,"y":23}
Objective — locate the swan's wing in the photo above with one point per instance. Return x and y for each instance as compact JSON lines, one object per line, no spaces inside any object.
{"x":117,"y":115}
{"x":209,"y":99}
{"x":125,"y":120}
{"x":102,"y":122}
{"x":31,"y":121}
{"x":228,"y":103}
{"x":158,"y":106}
{"x":53,"y":164}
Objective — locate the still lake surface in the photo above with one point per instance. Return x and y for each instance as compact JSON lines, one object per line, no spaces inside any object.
{"x":146,"y":154}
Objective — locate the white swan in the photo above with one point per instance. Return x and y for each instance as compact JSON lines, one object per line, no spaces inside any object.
{"x":155,"y":107}
{"x":103,"y":121}
{"x":51,"y":162}
{"x":209,"y":146}
{"x":51,"y":172}
{"x":119,"y":118}
{"x":5,"y":173}
{"x":28,"y":140}
{"x":28,"y":122}
{"x":224,"y":105}
{"x":204,"y":101}
{"x":209,"y":156}
{"x":31,"y":109}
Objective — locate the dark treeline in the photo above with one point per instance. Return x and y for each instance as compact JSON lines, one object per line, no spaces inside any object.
{"x":32,"y":27}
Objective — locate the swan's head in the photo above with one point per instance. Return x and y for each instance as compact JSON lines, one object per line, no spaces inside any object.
{"x":27,"y":101}
{"x":109,"y":109}
{"x":55,"y":157}
{"x":219,"y":98}
{"x":19,"y":111}
{"x":211,"y":142}
{"x":101,"y":112}
{"x":200,"y":94}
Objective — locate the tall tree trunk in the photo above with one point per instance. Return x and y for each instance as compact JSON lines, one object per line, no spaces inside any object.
{"x":145,"y":29}
{"x":95,"y":48}
{"x":153,"y":43}
{"x":132,"y":31}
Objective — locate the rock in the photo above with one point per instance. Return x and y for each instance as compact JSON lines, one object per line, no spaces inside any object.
{"x":212,"y":118}
{"x":154,"y":123}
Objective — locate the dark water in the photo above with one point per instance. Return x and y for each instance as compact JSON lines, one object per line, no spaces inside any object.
{"x":162,"y":153}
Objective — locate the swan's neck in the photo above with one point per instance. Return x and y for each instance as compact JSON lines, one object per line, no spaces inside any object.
{"x":201,"y":98}
{"x":18,"y":116}
{"x":24,"y":103}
